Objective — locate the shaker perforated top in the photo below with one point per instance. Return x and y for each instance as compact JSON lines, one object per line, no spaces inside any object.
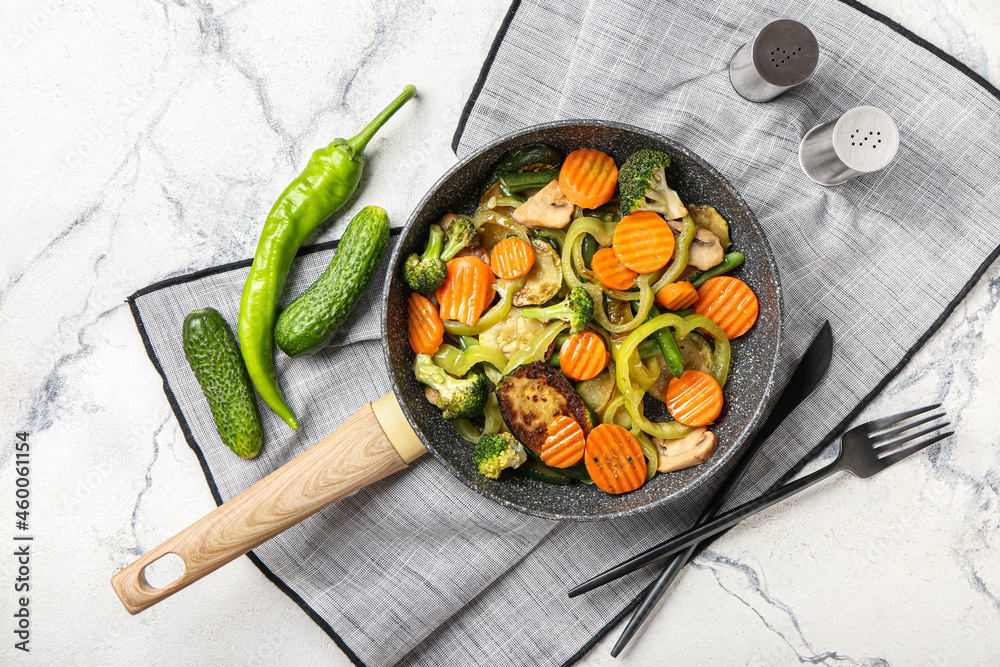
{"x":785,"y":53}
{"x":866,"y":139}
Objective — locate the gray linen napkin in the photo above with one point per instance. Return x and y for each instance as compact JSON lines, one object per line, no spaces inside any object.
{"x":418,"y":569}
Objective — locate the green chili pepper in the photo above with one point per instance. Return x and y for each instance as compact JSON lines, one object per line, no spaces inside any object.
{"x":520,"y":181}
{"x":325,"y":185}
{"x":728,"y":263}
{"x":668,"y":346}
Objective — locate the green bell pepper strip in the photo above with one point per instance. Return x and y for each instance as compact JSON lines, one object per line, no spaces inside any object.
{"x":650,"y":452}
{"x":648,"y":348}
{"x":668,"y":346}
{"x":494,"y":420}
{"x":633,"y":396}
{"x":519,"y":181}
{"x":467,"y":430}
{"x":572,"y":258}
{"x":459,"y":363}
{"x":509,"y":202}
{"x":495,"y":315}
{"x":681,"y":254}
{"x":552,"y":236}
{"x":728,"y":263}
{"x":536,"y":347}
{"x":323,"y":187}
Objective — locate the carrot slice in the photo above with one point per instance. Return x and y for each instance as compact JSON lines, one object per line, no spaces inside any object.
{"x":588,"y":177}
{"x":564,"y":443}
{"x":512,"y":258}
{"x":677,"y":296}
{"x":730,"y":303}
{"x":426,"y":328}
{"x":467,"y":290}
{"x":643,"y":242}
{"x":583,"y":356}
{"x":612,"y":273}
{"x":694,"y":399}
{"x":614,"y":459}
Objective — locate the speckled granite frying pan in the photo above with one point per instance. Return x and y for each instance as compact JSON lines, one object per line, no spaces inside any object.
{"x":382,"y":437}
{"x":754,"y":355}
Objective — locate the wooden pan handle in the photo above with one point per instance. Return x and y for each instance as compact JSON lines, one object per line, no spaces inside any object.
{"x":373,"y":443}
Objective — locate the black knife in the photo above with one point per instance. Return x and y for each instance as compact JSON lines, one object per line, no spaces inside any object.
{"x":810,"y":370}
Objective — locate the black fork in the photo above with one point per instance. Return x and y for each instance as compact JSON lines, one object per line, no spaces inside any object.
{"x":864,"y":451}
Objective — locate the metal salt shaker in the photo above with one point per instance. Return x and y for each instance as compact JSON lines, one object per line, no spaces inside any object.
{"x":783,"y":55}
{"x":862,"y":140}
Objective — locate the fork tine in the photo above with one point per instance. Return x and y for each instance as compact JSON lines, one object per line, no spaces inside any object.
{"x":896,"y":457}
{"x":885,"y":445}
{"x":885,"y":435}
{"x":885,"y":422}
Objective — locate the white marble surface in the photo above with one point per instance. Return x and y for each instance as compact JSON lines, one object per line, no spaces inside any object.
{"x":144,"y":140}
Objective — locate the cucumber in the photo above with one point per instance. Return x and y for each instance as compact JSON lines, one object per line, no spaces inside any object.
{"x":309,"y":322}
{"x":211,"y":350}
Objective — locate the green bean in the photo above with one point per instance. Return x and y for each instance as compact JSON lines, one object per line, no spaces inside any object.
{"x":588,"y":250}
{"x":728,"y":263}
{"x":668,"y":346}
{"x":527,"y":180}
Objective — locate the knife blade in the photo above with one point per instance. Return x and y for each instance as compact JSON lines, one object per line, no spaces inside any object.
{"x":807,"y":375}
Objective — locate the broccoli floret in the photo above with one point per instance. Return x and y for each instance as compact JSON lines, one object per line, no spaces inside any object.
{"x":461,"y":234}
{"x":577,"y":309}
{"x":458,"y":397}
{"x":425,"y":273}
{"x":496,"y":452}
{"x":642,"y":182}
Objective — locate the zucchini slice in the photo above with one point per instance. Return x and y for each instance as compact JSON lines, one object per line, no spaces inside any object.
{"x":533,"y":395}
{"x":544,"y":279}
{"x":540,"y":472}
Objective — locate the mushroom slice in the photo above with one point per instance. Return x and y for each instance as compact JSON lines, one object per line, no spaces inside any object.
{"x":693,"y":449}
{"x":547,"y":208}
{"x":446,"y":220}
{"x":706,"y":248}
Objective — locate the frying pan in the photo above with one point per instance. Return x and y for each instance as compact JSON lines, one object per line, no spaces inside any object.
{"x":383,"y":437}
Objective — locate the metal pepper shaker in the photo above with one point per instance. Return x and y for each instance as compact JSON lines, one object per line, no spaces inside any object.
{"x":864,"y":139}
{"x":783,"y":55}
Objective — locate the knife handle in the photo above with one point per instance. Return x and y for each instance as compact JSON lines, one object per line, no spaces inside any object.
{"x":373,"y":443}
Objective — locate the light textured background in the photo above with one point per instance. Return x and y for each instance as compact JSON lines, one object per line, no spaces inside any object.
{"x":145,"y":140}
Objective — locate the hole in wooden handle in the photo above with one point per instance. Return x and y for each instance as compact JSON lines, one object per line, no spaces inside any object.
{"x":164,"y":571}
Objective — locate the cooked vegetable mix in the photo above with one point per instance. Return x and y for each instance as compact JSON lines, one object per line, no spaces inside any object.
{"x":552,"y":281}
